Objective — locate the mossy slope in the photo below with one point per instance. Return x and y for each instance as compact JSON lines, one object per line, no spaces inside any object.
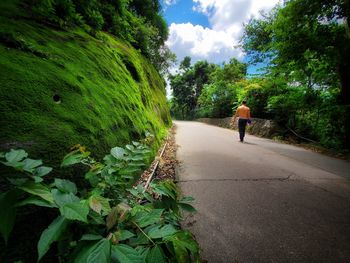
{"x":108,"y":93}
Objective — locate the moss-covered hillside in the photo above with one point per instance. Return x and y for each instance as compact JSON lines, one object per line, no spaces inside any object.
{"x":60,"y":87}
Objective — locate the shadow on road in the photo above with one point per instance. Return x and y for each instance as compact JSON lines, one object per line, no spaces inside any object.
{"x":249,"y":143}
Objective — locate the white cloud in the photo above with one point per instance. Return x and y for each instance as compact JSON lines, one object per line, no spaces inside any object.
{"x":217,"y":43}
{"x":169,"y":2}
{"x":223,"y":14}
{"x":202,"y":43}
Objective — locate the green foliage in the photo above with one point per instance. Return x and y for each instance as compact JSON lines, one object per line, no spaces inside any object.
{"x":142,"y":225}
{"x":307,"y":42}
{"x":138,"y":22}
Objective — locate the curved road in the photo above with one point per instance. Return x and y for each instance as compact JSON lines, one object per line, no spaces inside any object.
{"x":262,"y":201}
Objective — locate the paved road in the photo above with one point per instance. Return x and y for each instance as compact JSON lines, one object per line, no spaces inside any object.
{"x":263,"y":201}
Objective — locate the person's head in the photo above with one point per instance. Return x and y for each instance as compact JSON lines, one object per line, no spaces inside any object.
{"x":244,"y":102}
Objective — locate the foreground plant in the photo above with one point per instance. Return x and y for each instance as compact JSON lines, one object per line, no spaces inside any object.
{"x":108,"y":221}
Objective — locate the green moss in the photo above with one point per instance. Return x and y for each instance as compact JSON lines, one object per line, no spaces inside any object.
{"x":108,"y":93}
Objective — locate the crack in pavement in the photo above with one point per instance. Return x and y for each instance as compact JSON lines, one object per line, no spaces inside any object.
{"x":281,"y":179}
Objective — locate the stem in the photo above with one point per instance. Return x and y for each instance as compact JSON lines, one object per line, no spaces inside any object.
{"x":144,"y":233}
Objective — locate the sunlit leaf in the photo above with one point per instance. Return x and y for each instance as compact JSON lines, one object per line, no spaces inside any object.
{"x":38,"y":190}
{"x":118,"y":152}
{"x":75,"y":211}
{"x":30,"y":164}
{"x":15,"y":155}
{"x":72,"y":158}
{"x":33,"y":200}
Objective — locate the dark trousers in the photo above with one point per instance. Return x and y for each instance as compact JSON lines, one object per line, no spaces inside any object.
{"x":242,"y":123}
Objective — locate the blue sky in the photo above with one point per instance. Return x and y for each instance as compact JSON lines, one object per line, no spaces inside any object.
{"x":210,"y":29}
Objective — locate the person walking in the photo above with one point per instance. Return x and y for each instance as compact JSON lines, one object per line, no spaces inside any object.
{"x":243,"y":114}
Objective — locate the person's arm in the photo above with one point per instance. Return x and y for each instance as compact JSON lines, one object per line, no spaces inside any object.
{"x":249,"y":114}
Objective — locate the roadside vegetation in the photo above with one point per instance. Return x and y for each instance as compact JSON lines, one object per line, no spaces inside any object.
{"x":85,"y":73}
{"x":304,"y":86}
{"x":102,"y":216}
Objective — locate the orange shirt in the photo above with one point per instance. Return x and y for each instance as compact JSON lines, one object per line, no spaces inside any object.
{"x":243,"y":112}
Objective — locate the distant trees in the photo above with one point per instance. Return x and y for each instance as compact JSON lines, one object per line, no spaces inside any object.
{"x":138,"y":22}
{"x":203,"y":90}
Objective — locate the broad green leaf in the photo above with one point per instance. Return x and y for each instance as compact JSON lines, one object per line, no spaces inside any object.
{"x":65,"y":185}
{"x":98,"y":252}
{"x":42,"y":171}
{"x":118,"y":153}
{"x":64,"y":198}
{"x":37,"y":179}
{"x":7,"y":212}
{"x":75,"y":211}
{"x":144,"y":219}
{"x":125,"y":254}
{"x":2,"y":155}
{"x":110,"y":160}
{"x":51,"y":234}
{"x":91,"y":237}
{"x":15,"y":155}
{"x":161,"y":232}
{"x":30,"y":164}
{"x":123,"y":235}
{"x":155,"y":254}
{"x":184,"y":239}
{"x":33,"y":200}
{"x":38,"y":190}
{"x":187,"y":207}
{"x":72,"y":158}
{"x":163,"y":190}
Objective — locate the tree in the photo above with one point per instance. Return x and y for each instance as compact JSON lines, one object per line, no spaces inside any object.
{"x":185,"y":63}
{"x":306,"y":41}
{"x":188,"y":84}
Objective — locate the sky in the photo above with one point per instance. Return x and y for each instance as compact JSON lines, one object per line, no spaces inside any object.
{"x":210,"y":29}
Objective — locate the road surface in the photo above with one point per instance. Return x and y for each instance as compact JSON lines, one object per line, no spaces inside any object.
{"x":263,"y":201}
